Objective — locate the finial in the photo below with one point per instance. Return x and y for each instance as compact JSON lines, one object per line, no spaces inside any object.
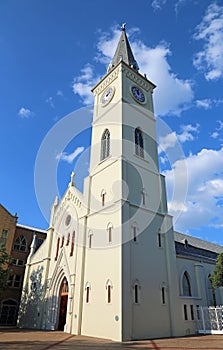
{"x":123,"y":26}
{"x":72,"y":179}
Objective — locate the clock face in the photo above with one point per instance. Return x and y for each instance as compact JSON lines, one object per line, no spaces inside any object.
{"x":107,"y":95}
{"x":138,"y":94}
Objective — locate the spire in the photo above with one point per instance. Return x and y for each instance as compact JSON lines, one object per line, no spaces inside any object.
{"x":123,"y":52}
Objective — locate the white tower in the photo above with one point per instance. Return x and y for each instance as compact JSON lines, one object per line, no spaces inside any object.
{"x":130,"y":268}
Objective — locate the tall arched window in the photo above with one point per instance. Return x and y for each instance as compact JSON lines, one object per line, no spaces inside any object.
{"x":109,"y":291}
{"x":186,"y":287}
{"x":109,"y":229}
{"x":20,"y":244}
{"x":139,"y":147}
{"x":136,"y":292}
{"x":105,"y":144}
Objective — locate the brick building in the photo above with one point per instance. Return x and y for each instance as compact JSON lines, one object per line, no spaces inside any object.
{"x":17,"y":239}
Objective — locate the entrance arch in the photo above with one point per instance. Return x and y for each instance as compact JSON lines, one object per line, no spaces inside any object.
{"x":63,"y":304}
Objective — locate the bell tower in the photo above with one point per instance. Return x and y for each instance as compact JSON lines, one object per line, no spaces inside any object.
{"x":130,"y":267}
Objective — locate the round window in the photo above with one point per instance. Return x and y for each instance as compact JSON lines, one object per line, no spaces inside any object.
{"x":68,"y":220}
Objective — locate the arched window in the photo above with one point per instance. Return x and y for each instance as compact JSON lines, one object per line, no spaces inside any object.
{"x":135,"y":232}
{"x":90,"y":235}
{"x":186,"y":285}
{"x":58,"y":246}
{"x":110,"y":229}
{"x":136,"y":293}
{"x":20,"y":244}
{"x":68,"y":239}
{"x":72,"y":244}
{"x":87,"y":289}
{"x":105,"y":144}
{"x":109,"y":291}
{"x":139,"y":147}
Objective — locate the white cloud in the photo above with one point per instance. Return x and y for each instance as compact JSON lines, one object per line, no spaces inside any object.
{"x":157,"y":4}
{"x":59,"y":93}
{"x":220,"y":125}
{"x":49,"y":100}
{"x":173,"y":94}
{"x":206,"y":103}
{"x":25,"y":113}
{"x":210,"y":30}
{"x":203,"y":204}
{"x":69,"y":158}
{"x":83,"y":84}
{"x":215,"y":135}
{"x":170,"y":140}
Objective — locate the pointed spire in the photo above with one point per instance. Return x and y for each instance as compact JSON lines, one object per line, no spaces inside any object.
{"x":123,"y":52}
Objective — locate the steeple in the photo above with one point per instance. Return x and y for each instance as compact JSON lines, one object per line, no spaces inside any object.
{"x":123,"y":52}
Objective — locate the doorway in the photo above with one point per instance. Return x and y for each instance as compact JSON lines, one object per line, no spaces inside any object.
{"x":63,"y":304}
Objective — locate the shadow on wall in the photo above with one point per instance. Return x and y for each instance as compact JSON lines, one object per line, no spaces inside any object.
{"x":32,"y":298}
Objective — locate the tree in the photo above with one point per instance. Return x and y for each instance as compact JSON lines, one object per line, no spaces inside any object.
{"x":4,"y":271}
{"x":217,"y":275}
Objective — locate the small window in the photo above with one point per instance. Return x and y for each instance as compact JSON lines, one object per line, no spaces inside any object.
{"x":109,"y":229}
{"x":105,"y":144}
{"x":17,"y":262}
{"x":159,"y":239}
{"x":14,"y":281}
{"x":185,"y":313}
{"x":198,"y":312}
{"x":134,"y":233}
{"x":143,"y":197}
{"x":62,"y":242}
{"x":163,"y":292}
{"x":58,"y":246}
{"x":136,"y":294}
{"x":68,"y":239}
{"x":87,"y":290}
{"x":109,"y":294}
{"x":72,"y":244}
{"x":109,"y":291}
{"x":192,"y":312}
{"x":139,"y":147}
{"x":20,"y":244}
{"x":90,"y":235}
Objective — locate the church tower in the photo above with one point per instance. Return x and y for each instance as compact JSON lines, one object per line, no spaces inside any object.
{"x":129,"y":277}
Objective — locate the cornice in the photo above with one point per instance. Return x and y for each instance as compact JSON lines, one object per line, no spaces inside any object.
{"x":106,"y":81}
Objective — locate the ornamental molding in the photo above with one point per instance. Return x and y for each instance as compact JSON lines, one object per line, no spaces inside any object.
{"x":70,"y":197}
{"x":136,"y":79}
{"x":107,"y":81}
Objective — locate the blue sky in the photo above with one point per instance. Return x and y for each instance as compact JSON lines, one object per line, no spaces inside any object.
{"x":52,"y":54}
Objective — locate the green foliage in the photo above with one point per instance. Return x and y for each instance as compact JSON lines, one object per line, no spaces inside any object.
{"x":4,"y":271}
{"x":217,"y":275}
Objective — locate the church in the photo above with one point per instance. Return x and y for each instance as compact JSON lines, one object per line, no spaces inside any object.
{"x":112,"y":265}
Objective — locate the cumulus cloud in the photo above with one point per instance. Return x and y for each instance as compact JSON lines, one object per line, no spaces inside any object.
{"x":158,"y":4}
{"x":25,"y":113}
{"x":69,"y":158}
{"x":205,"y":103}
{"x":204,"y":202}
{"x":210,"y":31}
{"x":59,"y":93}
{"x":216,"y":133}
{"x":173,"y":94}
{"x":170,"y":140}
{"x":83,"y":84}
{"x":49,"y":100}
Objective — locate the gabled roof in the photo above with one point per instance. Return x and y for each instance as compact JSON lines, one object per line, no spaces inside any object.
{"x":197,"y":243}
{"x":123,"y":52}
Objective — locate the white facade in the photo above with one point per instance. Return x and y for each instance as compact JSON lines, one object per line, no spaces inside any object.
{"x":108,"y":267}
